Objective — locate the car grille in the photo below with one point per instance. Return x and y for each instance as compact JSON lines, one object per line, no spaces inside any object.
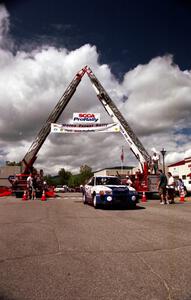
{"x":120,"y":194}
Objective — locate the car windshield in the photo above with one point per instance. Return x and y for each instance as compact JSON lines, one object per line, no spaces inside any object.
{"x":108,"y":181}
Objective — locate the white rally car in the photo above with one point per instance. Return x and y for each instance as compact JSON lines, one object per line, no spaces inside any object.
{"x":108,"y":190}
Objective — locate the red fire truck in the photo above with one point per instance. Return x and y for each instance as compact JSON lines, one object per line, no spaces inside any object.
{"x":144,"y":181}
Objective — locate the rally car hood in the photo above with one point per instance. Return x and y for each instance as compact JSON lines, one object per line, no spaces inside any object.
{"x":105,"y":188}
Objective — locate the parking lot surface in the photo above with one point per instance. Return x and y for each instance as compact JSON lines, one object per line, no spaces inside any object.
{"x":63,"y":249}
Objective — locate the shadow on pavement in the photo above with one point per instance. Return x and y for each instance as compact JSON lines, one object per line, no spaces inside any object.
{"x":4,"y":297}
{"x":124,"y":208}
{"x":118,"y":207}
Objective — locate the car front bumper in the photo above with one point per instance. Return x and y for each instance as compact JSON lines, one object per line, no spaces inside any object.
{"x":117,"y":199}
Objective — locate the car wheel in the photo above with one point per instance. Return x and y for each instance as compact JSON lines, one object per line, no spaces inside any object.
{"x":84,"y":199}
{"x":95,"y":205}
{"x":132,"y":205}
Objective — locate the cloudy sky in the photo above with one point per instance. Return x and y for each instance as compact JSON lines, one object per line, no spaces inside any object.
{"x":139,"y":52}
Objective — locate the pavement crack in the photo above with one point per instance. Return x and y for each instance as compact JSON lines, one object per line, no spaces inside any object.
{"x":157,"y":275}
{"x":57,"y":240}
{"x":54,"y":231}
{"x":17,"y":258}
{"x":162,"y":249}
{"x":23,"y":222}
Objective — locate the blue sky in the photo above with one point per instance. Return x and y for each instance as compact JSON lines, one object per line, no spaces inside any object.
{"x":139,"y":50}
{"x":126,"y":33}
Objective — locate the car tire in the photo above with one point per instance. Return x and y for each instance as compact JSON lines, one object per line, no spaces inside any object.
{"x":84,"y":199}
{"x":95,"y":205}
{"x":132,"y":206}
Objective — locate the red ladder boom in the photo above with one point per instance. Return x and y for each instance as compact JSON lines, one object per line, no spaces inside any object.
{"x":31,"y":154}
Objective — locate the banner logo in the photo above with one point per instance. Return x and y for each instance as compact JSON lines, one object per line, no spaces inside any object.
{"x":86,"y":118}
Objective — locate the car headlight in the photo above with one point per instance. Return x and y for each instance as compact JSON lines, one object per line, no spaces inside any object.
{"x":133,"y":198}
{"x":105,"y":193}
{"x":108,"y":192}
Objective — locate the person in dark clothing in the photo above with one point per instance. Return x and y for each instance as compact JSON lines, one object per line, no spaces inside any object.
{"x":162,"y":187}
{"x":181,"y":187}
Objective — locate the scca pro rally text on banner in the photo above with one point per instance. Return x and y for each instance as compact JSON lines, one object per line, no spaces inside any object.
{"x":86,"y":117}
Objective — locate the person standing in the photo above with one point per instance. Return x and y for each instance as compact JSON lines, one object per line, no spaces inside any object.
{"x":29,"y":185}
{"x":162,"y":187}
{"x":170,"y":188}
{"x":155,"y":162}
{"x":31,"y":182}
{"x":181,"y":188}
{"x":128,"y":181}
{"x":34,"y":186}
{"x":82,"y":189}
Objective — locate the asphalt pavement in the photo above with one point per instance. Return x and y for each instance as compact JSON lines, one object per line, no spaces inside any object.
{"x":63,"y":249}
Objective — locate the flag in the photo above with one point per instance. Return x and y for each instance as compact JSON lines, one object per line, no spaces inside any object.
{"x":122,"y":155}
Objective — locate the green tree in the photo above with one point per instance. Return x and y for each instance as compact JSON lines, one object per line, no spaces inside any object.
{"x":85,"y":173}
{"x":74,"y":181}
{"x":85,"y":169}
{"x":12,"y":163}
{"x":52,"y":180}
{"x":64,"y":176}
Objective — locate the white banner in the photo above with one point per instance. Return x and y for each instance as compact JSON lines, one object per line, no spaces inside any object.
{"x":74,"y":128}
{"x":86,"y":118}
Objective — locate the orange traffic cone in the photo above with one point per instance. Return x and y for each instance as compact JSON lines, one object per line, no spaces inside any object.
{"x":24,"y":198}
{"x":182,"y":197}
{"x":144,"y":198}
{"x":43,"y":198}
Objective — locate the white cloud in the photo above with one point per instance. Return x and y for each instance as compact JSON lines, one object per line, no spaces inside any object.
{"x":160,"y":91}
{"x":31,"y":83}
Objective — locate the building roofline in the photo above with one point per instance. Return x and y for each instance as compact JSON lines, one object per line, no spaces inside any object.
{"x":181,"y":162}
{"x":188,"y":158}
{"x":113,"y":168}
